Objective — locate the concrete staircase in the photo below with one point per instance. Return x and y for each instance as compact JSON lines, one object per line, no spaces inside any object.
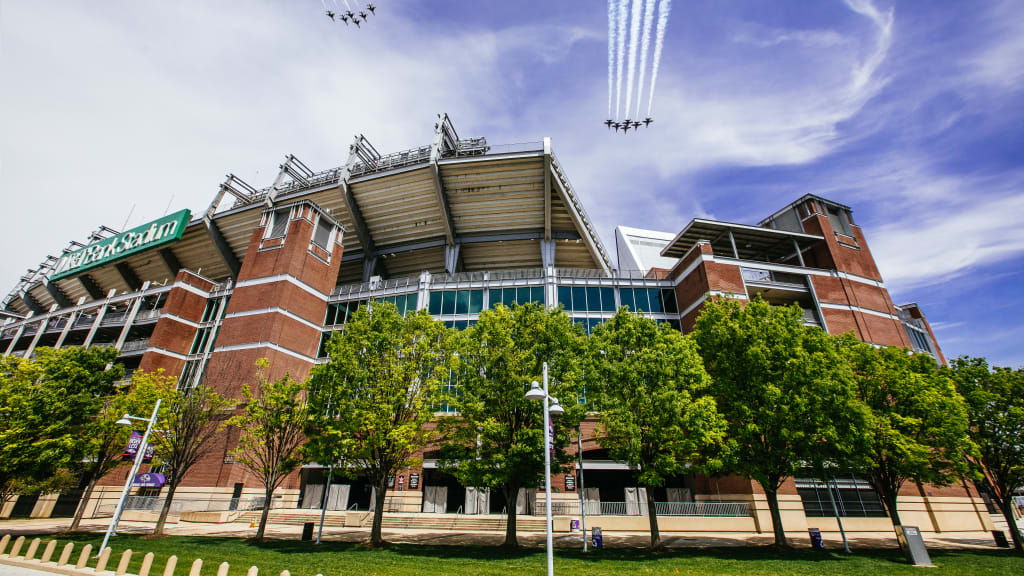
{"x":395,"y":520}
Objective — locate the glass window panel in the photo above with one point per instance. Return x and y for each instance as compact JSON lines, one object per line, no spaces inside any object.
{"x":472,"y":323}
{"x":508,"y":297}
{"x":608,"y":299}
{"x":626,"y":297}
{"x":462,"y":302}
{"x":400,"y":304}
{"x":581,"y":322}
{"x":522,"y":295}
{"x":640,"y":295}
{"x":411,"y":300}
{"x":675,"y":324}
{"x":476,"y":301}
{"x":655,"y":298}
{"x":280,"y":224}
{"x":461,"y":324}
{"x":591,"y":323}
{"x":579,"y":298}
{"x":668,"y":297}
{"x":537,"y":294}
{"x":594,"y":299}
{"x":449,"y":323}
{"x":565,"y":297}
{"x":435,"y":303}
{"x":322,"y":234}
{"x":494,"y":298}
{"x":448,"y":302}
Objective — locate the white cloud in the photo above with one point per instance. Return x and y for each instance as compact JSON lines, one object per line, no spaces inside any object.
{"x":998,"y":63}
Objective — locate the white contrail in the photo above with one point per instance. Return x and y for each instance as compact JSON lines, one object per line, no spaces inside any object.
{"x":634,"y":41}
{"x":620,"y":42}
{"x":645,"y":44}
{"x":325,"y":5}
{"x":611,"y":53}
{"x":348,"y":5}
{"x":663,"y":9}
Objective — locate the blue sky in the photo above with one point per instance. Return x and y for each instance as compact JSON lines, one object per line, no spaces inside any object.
{"x":909,"y":111}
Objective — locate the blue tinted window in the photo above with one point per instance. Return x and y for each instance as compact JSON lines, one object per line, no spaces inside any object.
{"x":435,"y":303}
{"x":462,"y":302}
{"x":508,"y":297}
{"x":579,"y":298}
{"x":626,"y":297}
{"x":668,"y":296}
{"x":655,"y":299}
{"x":594,"y":299}
{"x":565,"y":297}
{"x":476,"y":301}
{"x":537,"y":294}
{"x":448,"y":303}
{"x":608,"y":299}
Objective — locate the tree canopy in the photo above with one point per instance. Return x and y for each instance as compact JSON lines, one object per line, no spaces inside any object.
{"x":271,"y":421}
{"x":995,"y":412}
{"x":784,"y":389}
{"x":368,"y":405}
{"x":918,"y":420}
{"x":45,"y":405}
{"x":496,"y":441}
{"x":653,"y":394}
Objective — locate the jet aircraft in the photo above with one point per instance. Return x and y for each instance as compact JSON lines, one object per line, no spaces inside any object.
{"x":363,"y":16}
{"x":371,"y":8}
{"x":330,"y":15}
{"x":647,"y":122}
{"x":609,"y":123}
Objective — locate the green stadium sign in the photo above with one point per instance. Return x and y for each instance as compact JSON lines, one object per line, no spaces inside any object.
{"x":166,"y":229}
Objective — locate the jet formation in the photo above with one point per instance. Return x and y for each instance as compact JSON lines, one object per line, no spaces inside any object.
{"x":626,"y":124}
{"x":348,"y":16}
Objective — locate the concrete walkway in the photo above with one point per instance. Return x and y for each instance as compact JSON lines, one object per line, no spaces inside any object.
{"x":447,"y":538}
{"x":6,"y":570}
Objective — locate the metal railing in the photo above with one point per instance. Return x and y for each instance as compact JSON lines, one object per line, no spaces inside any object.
{"x":773,"y":277}
{"x":135,"y":345}
{"x":211,"y":504}
{"x":702,"y":509}
{"x":147,"y":315}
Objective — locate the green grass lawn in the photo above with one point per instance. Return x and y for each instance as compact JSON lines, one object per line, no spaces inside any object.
{"x":342,"y":559}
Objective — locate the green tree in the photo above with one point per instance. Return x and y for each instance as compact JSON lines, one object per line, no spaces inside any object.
{"x":653,"y":396}
{"x":995,"y":410}
{"x":105,"y":440}
{"x":186,"y":424}
{"x":369,"y":403}
{"x":272,"y":421}
{"x":46,"y":404}
{"x":784,"y":389}
{"x":918,"y":420}
{"x":497,"y":439}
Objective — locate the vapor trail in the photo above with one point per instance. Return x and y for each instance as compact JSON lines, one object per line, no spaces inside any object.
{"x":348,"y":5}
{"x":645,"y":44}
{"x":620,"y":42}
{"x":611,"y":53}
{"x":664,"y":7}
{"x":325,"y":5}
{"x":634,"y":41}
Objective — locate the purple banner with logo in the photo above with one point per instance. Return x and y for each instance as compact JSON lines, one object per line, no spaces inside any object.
{"x":149,"y":480}
{"x":133,"y":448}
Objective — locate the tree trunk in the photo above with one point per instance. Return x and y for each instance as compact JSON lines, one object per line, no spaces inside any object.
{"x":890,"y":503}
{"x":511,"y":500}
{"x":1006,"y":507}
{"x":773,"y":506}
{"x":267,"y":499}
{"x":652,"y":517}
{"x":159,"y":530}
{"x":378,"y":512}
{"x":80,"y":511}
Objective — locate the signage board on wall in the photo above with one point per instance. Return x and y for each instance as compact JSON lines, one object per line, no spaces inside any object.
{"x":149,"y":235}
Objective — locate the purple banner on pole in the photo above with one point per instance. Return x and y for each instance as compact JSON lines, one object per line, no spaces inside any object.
{"x":133,"y":448}
{"x":149,"y":480}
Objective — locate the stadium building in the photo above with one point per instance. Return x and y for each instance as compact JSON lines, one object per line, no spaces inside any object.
{"x":454,"y":227}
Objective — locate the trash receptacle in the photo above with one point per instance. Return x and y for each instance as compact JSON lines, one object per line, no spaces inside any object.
{"x":596,"y":538}
{"x":913,"y":545}
{"x":307,"y":531}
{"x":816,"y":542}
{"x":1000,"y":537}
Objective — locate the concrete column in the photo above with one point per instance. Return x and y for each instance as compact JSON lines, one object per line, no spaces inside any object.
{"x":67,"y":328}
{"x":100,"y":312}
{"x":423,"y":292}
{"x":39,"y":332}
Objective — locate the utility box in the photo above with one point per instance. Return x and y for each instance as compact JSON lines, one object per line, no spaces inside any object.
{"x":913,"y":545}
{"x":596,"y":539}
{"x":816,"y":541}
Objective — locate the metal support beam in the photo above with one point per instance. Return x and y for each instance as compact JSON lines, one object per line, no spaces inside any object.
{"x":129,"y":276}
{"x":17,"y":335}
{"x":32,"y":303}
{"x":451,"y":258}
{"x":732,"y":241}
{"x":547,"y":188}
{"x":362,"y":231}
{"x":369,"y":267}
{"x":222,"y":247}
{"x":57,"y":294}
{"x":547,"y":253}
{"x":442,"y":202}
{"x":92,"y":287}
{"x":171,"y":261}
{"x":799,"y":256}
{"x":72,"y":318}
{"x":129,"y":320}
{"x":39,"y":334}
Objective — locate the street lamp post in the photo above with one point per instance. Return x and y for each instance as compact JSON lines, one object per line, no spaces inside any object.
{"x":536,"y":393}
{"x":126,"y":420}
